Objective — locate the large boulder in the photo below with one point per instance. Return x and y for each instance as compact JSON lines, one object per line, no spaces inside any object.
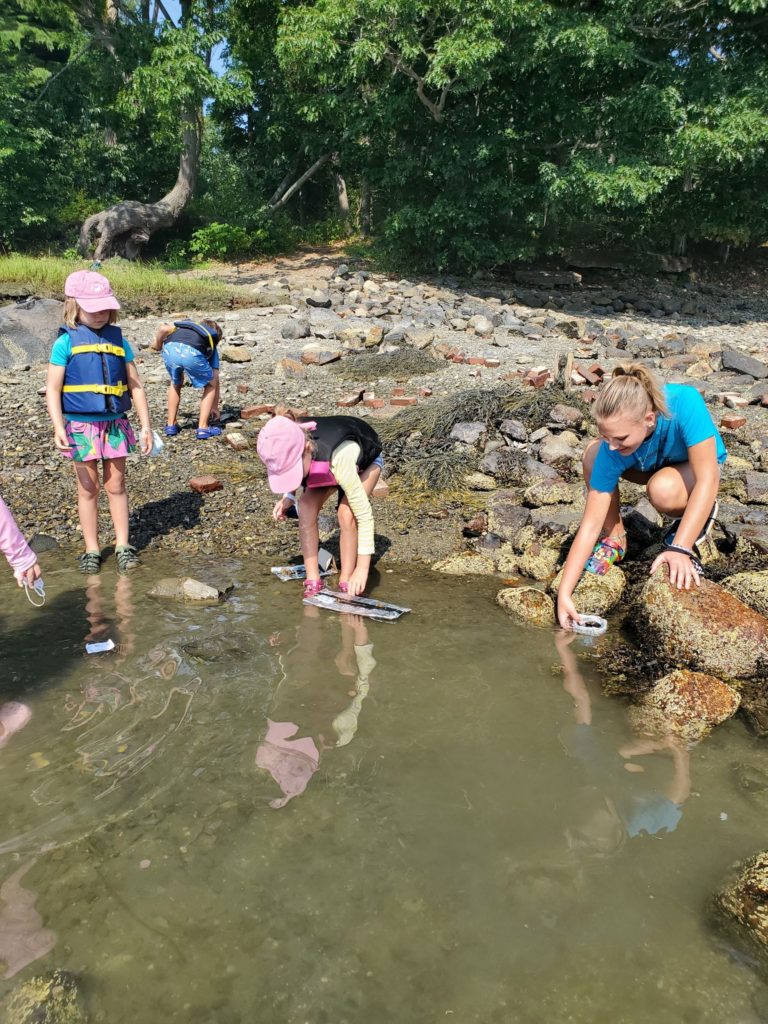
{"x":686,"y":704}
{"x":705,"y":628}
{"x":596,"y":595}
{"x":742,"y":904}
{"x":751,"y":588}
{"x":540,"y":560}
{"x":466,"y":563}
{"x":506,"y":516}
{"x":27,"y":331}
{"x":528,"y":605}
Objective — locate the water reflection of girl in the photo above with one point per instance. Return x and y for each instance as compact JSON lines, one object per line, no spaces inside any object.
{"x":614,"y":805}
{"x":306,"y":719}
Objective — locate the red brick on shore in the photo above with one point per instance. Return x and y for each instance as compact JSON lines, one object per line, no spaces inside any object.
{"x":733,"y":421}
{"x":252,"y":411}
{"x":205,"y":484}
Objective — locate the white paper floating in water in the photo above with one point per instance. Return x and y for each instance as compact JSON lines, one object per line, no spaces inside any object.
{"x":590,"y":625}
{"x":99,"y":648}
{"x":367,"y":607}
{"x":298,"y":572}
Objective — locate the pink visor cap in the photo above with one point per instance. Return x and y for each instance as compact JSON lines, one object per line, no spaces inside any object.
{"x":281,"y":446}
{"x":92,"y":291}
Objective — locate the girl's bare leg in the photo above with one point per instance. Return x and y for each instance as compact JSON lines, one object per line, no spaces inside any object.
{"x":174,"y":400}
{"x":207,"y":403}
{"x":348,"y":525}
{"x":309,"y":505}
{"x":87,"y":474}
{"x":114,"y":485}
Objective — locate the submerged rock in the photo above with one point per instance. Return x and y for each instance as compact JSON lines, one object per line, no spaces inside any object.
{"x":48,"y":999}
{"x":177,"y":589}
{"x":751,"y":588}
{"x":705,"y":628}
{"x":596,"y":595}
{"x":742,"y":905}
{"x":215,"y":648}
{"x":527,"y":604}
{"x":686,"y":704}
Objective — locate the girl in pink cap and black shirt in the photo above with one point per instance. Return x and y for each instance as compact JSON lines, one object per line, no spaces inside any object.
{"x":325,"y":455}
{"x":92,"y":383}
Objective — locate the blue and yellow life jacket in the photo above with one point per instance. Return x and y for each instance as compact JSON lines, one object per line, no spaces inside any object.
{"x":197,"y":336}
{"x":95,"y":378}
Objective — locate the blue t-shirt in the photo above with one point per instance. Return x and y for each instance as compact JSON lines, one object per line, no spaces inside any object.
{"x":61,"y":353}
{"x":688,"y":424}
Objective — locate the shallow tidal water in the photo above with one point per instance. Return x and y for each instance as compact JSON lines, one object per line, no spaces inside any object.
{"x":261,"y":812}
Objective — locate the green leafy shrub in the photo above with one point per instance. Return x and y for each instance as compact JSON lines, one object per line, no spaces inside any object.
{"x":220,"y":242}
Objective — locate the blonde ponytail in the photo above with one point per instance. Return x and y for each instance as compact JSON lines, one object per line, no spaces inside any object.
{"x":631,"y":391}
{"x":284,"y":410}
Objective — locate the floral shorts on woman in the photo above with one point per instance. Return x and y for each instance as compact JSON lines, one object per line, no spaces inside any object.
{"x":104,"y":439}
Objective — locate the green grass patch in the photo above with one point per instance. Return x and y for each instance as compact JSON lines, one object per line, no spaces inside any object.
{"x":140,"y":287}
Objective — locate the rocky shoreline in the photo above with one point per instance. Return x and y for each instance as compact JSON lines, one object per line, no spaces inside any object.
{"x":482,"y":396}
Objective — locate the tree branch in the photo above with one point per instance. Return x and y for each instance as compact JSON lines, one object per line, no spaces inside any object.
{"x":435,"y":109}
{"x":291,"y":192}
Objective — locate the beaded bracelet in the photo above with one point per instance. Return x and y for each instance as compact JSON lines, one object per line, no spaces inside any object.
{"x":680,"y":550}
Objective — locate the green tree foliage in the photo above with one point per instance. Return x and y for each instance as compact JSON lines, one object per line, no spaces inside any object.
{"x":491,"y":130}
{"x":467,"y":132}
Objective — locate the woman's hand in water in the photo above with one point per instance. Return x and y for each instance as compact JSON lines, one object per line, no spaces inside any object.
{"x":281,"y":507}
{"x":681,"y":571}
{"x":566,"y":612}
{"x":357,"y":582}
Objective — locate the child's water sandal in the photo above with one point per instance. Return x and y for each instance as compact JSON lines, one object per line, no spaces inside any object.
{"x":90,"y":563}
{"x":172,"y":429}
{"x":669,"y":536}
{"x":203,"y":433}
{"x":127,"y":558}
{"x":313,"y":587}
{"x":607,"y":553}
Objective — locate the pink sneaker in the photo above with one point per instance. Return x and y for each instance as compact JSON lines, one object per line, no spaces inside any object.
{"x":343,"y":588}
{"x":313,"y":587}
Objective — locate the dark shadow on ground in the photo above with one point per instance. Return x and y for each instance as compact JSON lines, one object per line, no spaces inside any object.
{"x":158,"y":518}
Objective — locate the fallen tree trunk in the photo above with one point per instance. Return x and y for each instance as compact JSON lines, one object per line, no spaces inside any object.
{"x":288,"y":194}
{"x":125,"y":228}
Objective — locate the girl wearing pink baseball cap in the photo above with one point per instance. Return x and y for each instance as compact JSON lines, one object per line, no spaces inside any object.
{"x":327,"y":454}
{"x":92,"y":383}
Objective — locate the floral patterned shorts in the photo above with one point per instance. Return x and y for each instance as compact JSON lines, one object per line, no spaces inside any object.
{"x":104,"y":439}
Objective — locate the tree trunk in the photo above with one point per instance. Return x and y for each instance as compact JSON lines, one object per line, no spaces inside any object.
{"x":341,"y":192}
{"x":291,"y":192}
{"x":365,"y":208}
{"x":125,"y":228}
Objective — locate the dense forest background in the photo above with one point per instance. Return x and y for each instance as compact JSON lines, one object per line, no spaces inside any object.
{"x":456,"y":134}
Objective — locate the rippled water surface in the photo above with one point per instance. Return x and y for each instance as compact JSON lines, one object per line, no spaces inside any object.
{"x":258,"y":812}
